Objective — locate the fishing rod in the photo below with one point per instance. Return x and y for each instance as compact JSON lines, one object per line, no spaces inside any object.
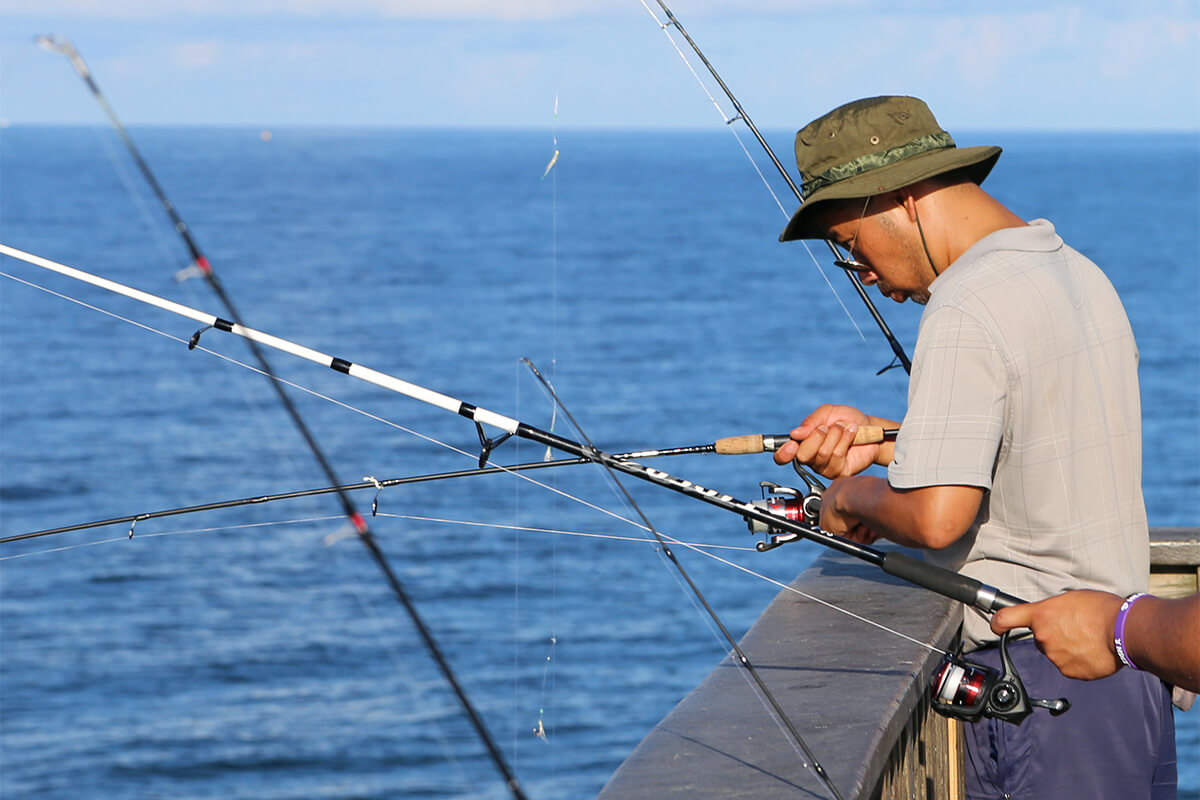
{"x":765,"y":693}
{"x":965,"y":690}
{"x":201,"y":263}
{"x":673,"y":22}
{"x":724,"y":446}
{"x":928,"y":576}
{"x":731,"y":445}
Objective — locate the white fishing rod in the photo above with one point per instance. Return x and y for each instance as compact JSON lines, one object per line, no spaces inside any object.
{"x":480,"y":416}
{"x":965,"y":690}
{"x":362,"y":530}
{"x":943,"y":581}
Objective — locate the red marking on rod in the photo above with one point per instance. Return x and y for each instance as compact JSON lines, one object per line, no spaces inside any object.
{"x":359,"y":523}
{"x":205,"y":267}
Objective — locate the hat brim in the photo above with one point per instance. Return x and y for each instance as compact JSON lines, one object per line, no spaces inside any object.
{"x":978,"y":161}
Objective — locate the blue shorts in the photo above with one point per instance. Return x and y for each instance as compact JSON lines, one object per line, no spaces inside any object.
{"x":1116,"y":742}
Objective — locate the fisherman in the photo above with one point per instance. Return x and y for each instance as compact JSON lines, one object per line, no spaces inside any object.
{"x":1018,"y":462}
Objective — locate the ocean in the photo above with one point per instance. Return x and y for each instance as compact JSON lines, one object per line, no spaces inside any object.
{"x":256,"y":652}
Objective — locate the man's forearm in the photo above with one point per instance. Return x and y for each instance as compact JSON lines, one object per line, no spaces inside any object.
{"x":1163,"y":636}
{"x":929,"y":517}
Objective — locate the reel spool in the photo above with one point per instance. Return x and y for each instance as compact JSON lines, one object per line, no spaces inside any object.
{"x":789,"y":503}
{"x":786,"y":502}
{"x":968,"y":691}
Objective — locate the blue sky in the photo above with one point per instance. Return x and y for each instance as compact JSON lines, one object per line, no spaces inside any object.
{"x":989,"y":66}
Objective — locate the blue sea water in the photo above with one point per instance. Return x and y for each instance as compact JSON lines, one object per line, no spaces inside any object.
{"x":256,"y":652}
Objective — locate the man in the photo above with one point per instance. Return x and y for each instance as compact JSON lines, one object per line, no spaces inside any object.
{"x":1018,"y":462}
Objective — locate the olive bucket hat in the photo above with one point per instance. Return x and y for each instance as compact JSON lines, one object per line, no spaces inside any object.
{"x":870,"y":146}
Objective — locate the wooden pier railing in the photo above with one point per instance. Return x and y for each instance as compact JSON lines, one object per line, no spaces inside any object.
{"x":857,"y":693}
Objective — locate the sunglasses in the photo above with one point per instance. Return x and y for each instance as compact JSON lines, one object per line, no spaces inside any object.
{"x":849,"y":263}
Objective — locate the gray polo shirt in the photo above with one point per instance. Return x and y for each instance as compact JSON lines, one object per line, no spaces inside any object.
{"x":1024,"y":383}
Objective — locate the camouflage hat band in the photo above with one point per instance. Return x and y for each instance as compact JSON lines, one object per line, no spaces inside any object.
{"x":870,"y":161}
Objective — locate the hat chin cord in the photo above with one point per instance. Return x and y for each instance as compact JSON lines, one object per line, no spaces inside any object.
{"x":921,"y":231}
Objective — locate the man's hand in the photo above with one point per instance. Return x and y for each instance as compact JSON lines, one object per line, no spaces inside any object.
{"x":835,"y":519}
{"x":1074,"y":630}
{"x":825,"y":442}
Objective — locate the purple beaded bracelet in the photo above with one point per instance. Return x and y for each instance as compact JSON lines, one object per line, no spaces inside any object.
{"x":1119,"y":629}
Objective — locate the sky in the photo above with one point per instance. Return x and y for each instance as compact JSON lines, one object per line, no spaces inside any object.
{"x":1019,"y":65}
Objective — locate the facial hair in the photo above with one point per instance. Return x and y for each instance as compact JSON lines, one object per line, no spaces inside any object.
{"x":913,"y":257}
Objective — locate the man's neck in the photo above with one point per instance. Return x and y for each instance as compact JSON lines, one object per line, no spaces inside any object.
{"x":967,"y":214}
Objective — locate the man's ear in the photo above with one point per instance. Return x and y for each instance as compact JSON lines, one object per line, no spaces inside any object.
{"x":908,"y":202}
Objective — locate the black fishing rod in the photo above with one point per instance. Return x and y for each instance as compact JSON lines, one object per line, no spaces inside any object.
{"x":961,"y":684}
{"x":369,"y":483}
{"x":943,"y":581}
{"x":742,"y":659}
{"x":731,"y":445}
{"x":200,"y":262}
{"x":741,"y":114}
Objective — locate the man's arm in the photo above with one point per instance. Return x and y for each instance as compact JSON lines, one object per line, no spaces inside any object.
{"x":864,"y":508}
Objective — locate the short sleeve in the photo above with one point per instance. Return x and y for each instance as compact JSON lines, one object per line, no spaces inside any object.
{"x":957,"y":405}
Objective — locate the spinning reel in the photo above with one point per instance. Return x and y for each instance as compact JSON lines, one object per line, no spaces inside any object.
{"x":968,"y":691}
{"x":961,"y":689}
{"x":790,"y":504}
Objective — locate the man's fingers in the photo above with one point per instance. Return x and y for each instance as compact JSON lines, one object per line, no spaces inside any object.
{"x":836,"y":443}
{"x":808,"y":449}
{"x":1012,"y":617}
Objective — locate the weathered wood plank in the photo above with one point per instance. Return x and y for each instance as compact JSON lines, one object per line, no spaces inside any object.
{"x":856,"y":692}
{"x":849,"y":687}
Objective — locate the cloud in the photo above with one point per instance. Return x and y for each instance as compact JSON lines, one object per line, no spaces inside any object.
{"x":1023,"y":65}
{"x":508,"y":10}
{"x":196,"y":55}
{"x":513,"y":10}
{"x":1130,"y":48}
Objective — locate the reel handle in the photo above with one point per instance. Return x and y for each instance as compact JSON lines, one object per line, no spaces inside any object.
{"x":1060,"y":706}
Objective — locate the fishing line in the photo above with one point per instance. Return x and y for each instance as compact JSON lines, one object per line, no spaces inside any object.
{"x":553,"y":260}
{"x":178,"y":532}
{"x":703,"y":548}
{"x":201,"y":262}
{"x":230,"y":359}
{"x":314,"y":393}
{"x":665,"y":27}
{"x":253,"y":401}
{"x":548,"y":675}
{"x":121,"y":167}
{"x":950,"y":584}
{"x":583,"y":534}
{"x":665,"y":550}
{"x":942,"y":581}
{"x":539,"y":730}
{"x":899,"y":356}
